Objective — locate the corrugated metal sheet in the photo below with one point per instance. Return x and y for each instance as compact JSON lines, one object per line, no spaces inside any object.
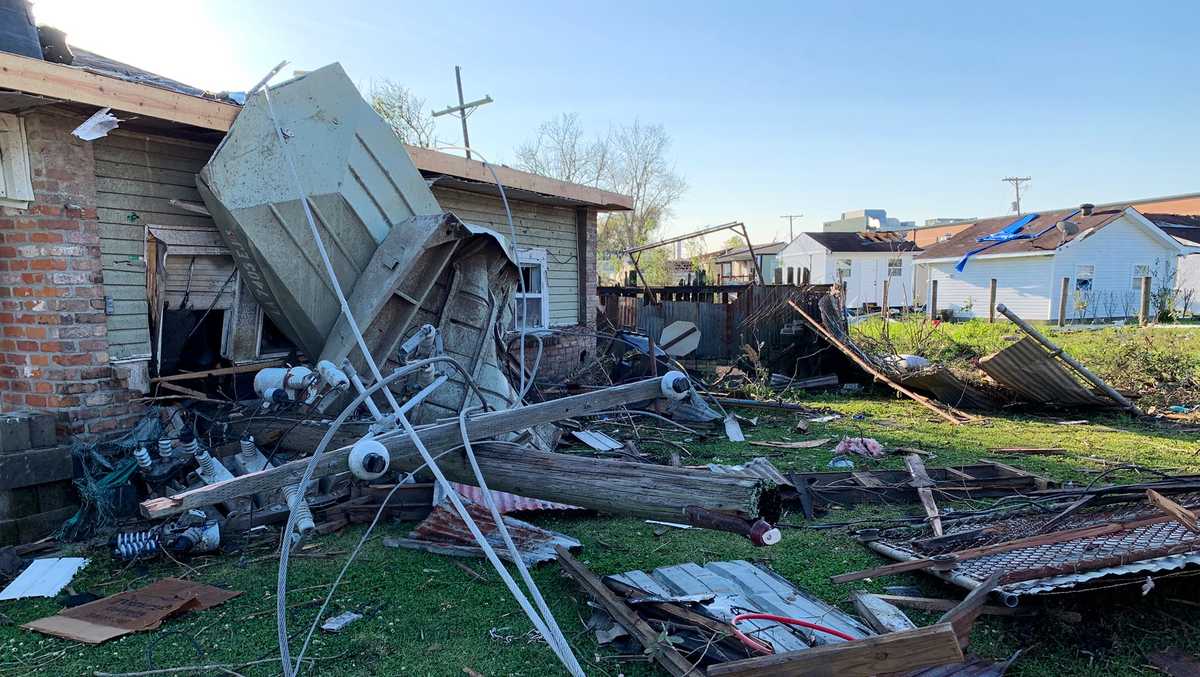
{"x":506,"y":502}
{"x":443,"y":527}
{"x":740,"y":587}
{"x":947,"y":388}
{"x":44,"y":577}
{"x":1036,"y":376}
{"x":1162,"y":546}
{"x":596,"y":440}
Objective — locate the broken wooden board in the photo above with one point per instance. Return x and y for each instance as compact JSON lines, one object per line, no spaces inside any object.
{"x":988,"y":479}
{"x":894,"y":652}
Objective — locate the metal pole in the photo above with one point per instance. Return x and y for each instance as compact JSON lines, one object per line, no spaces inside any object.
{"x":753,"y":256}
{"x":462,"y":113}
{"x":933,"y":299}
{"x":1071,"y":362}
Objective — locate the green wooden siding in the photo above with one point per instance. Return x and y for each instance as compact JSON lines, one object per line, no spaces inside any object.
{"x":136,"y":176}
{"x":538,"y":226}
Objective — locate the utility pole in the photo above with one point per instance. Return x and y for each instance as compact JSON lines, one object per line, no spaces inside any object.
{"x":463,"y":109}
{"x":790,"y":218}
{"x":1016,"y":182}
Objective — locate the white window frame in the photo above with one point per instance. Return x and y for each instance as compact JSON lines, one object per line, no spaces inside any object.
{"x":896,"y":270}
{"x":1135,"y":280}
{"x":1090,"y":277}
{"x":837,"y":268}
{"x":16,"y":188}
{"x":539,"y":258}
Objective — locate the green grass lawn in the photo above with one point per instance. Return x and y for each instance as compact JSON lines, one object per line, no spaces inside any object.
{"x":425,"y":616}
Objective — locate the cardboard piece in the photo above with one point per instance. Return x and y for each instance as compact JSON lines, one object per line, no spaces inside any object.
{"x":132,"y":611}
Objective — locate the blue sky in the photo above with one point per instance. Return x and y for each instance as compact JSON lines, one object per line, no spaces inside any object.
{"x":774,"y":108}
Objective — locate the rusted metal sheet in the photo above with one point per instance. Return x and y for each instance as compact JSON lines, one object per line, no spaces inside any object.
{"x":444,"y":532}
{"x":507,"y":503}
{"x":1146,"y":548}
{"x":1036,"y":376}
{"x":947,"y":388}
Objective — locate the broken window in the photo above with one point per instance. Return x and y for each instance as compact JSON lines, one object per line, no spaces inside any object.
{"x":895,"y":267}
{"x":532,"y":297}
{"x":1140,"y":270}
{"x":1083,"y":277}
{"x":15,"y":187}
{"x":844,"y":266}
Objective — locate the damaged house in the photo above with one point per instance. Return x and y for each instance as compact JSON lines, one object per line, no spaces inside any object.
{"x":114,"y":271}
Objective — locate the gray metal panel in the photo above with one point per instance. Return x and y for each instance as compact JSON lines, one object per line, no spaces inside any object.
{"x":1038,"y":377}
{"x":356,"y":173}
{"x":740,"y":587}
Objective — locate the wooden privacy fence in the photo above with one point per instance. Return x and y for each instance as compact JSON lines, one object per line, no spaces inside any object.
{"x":728,"y":316}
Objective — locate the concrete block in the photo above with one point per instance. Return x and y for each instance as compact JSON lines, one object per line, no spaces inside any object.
{"x":41,"y":429}
{"x":14,"y":433}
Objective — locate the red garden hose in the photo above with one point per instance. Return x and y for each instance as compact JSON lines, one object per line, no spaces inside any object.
{"x":761,"y":648}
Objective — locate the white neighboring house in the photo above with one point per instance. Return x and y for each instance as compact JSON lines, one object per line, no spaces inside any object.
{"x":1103,"y":254}
{"x":861,"y":260}
{"x":1186,"y":230}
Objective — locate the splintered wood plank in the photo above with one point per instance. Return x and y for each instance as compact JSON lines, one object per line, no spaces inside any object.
{"x":880,"y":614}
{"x":655,"y":643}
{"x":931,"y":510}
{"x":866,"y":479}
{"x":916,"y":470}
{"x":1181,"y":514}
{"x":894,"y":652}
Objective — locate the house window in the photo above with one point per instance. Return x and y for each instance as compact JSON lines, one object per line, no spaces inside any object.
{"x":895,"y":267}
{"x":779,"y":276}
{"x":531,"y":296}
{"x":791,"y":275}
{"x":943,"y":238}
{"x":1139,"y":271}
{"x":15,"y":187}
{"x":1083,"y":277}
{"x":844,"y":266}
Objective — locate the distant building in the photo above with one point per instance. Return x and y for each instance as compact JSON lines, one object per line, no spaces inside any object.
{"x":736,"y":266}
{"x":862,"y":261}
{"x":860,"y":220}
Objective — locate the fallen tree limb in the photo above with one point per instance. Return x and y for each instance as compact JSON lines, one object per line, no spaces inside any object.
{"x":619,"y":487}
{"x":949,"y":413}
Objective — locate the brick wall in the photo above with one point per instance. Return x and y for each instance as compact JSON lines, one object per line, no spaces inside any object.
{"x":54,"y":347}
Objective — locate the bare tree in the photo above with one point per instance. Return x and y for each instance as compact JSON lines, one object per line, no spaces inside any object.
{"x":404,"y":111}
{"x":640,"y":168}
{"x":559,"y":150}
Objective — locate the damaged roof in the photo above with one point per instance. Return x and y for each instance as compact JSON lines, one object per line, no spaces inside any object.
{"x":1185,"y":228}
{"x":967,"y":240}
{"x":102,"y":65}
{"x":863,"y":242}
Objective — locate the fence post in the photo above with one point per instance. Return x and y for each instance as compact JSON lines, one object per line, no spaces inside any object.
{"x":1144,"y":308}
{"x":886,"y":311}
{"x":1062,"y":302}
{"x":933,"y":299}
{"x":992,"y":301}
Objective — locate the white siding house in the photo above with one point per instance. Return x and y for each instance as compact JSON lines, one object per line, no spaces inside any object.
{"x":860,"y":260}
{"x":1101,"y":255}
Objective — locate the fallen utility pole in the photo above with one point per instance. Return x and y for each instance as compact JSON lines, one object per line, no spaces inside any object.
{"x":619,"y":487}
{"x":952,"y":415}
{"x":1071,"y":362}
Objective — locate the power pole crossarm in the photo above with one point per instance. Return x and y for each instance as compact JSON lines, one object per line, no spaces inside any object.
{"x":1016,"y":182}
{"x":791,"y":231}
{"x":463,"y":109}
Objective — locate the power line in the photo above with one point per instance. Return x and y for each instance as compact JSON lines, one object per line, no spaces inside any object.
{"x":1016,"y":182}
